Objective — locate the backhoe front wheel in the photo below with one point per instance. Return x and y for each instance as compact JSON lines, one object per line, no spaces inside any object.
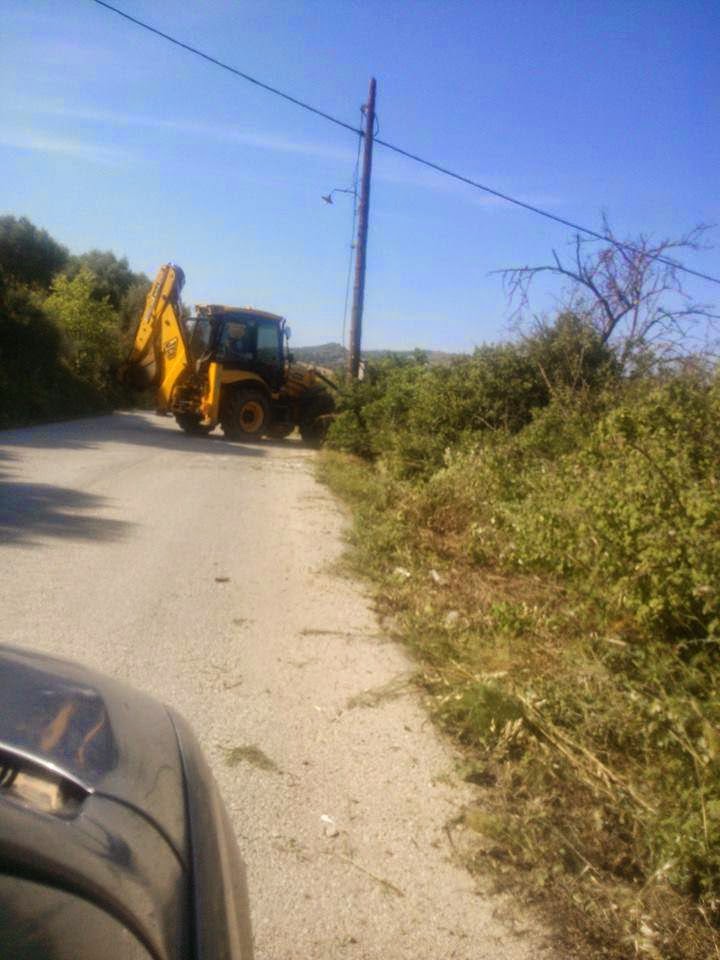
{"x":245,"y":415}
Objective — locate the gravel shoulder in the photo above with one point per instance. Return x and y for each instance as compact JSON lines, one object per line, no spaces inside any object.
{"x":206,"y":574}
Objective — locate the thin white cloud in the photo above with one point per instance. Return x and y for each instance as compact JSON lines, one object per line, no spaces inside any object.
{"x":428,"y":180}
{"x":224,"y":133}
{"x":387,"y":168}
{"x":264,"y":141}
{"x":44,"y":143}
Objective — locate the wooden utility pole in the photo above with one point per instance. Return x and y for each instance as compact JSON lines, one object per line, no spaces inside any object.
{"x":361,"y":243}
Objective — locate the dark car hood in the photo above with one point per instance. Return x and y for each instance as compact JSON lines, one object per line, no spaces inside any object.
{"x":98,"y":733}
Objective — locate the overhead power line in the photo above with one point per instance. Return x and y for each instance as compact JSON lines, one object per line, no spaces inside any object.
{"x":406,"y":153}
{"x":544,"y":213}
{"x":226,"y":66}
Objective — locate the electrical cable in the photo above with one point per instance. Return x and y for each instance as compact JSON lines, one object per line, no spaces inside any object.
{"x":543,"y":213}
{"x":226,"y":66}
{"x":406,"y":153}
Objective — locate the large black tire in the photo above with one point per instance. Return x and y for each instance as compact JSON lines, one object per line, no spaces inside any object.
{"x":313,"y":433}
{"x":245,"y":415}
{"x":316,"y":418}
{"x":190,"y":423}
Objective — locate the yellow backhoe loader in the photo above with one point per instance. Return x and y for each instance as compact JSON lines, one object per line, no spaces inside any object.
{"x":226,"y":365}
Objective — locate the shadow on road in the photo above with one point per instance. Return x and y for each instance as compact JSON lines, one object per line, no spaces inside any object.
{"x":30,"y":512}
{"x":140,"y":430}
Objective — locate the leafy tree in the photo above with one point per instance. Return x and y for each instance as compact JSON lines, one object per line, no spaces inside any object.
{"x":28,"y":255}
{"x":124,"y":289}
{"x":35,"y":381}
{"x":29,"y":341}
{"x":133,"y":303}
{"x":63,"y":321}
{"x":89,"y":325}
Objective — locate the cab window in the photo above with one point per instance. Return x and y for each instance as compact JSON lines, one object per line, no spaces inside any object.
{"x":198,"y":331}
{"x":238,"y":340}
{"x":267,"y":341}
{"x":249,"y":338}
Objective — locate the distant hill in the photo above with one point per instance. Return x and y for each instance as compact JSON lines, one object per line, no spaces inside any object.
{"x":335,"y":355}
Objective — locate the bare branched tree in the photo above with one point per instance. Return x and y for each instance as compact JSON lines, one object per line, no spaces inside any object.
{"x":632,"y":293}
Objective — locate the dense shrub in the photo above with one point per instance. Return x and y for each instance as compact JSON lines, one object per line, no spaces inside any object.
{"x":36,"y":383}
{"x":626,"y":505}
{"x":412,"y":414}
{"x":64,"y":324}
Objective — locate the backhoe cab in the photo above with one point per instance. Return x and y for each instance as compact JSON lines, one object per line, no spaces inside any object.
{"x":226,"y":365}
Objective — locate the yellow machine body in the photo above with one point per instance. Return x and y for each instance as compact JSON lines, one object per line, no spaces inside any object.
{"x":250,"y":395}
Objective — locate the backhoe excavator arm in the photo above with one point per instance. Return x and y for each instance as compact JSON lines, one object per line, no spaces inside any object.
{"x":160,"y":355}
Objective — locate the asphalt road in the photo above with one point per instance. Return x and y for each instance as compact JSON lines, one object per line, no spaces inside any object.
{"x":206,"y":573}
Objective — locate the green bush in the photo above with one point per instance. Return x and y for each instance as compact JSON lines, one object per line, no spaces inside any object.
{"x":623,"y":500}
{"x":634,"y":514}
{"x":411,"y":415}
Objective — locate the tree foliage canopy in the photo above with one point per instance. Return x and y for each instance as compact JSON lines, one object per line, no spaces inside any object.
{"x":63,"y":324}
{"x":29,"y":255}
{"x":88,"y":324}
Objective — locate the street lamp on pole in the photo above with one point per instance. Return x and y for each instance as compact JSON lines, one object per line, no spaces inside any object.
{"x":328,"y":198}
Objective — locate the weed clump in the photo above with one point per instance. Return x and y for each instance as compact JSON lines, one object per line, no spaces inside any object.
{"x":250,"y":753}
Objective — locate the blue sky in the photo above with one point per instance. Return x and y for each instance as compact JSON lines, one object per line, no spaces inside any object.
{"x":112,"y":138}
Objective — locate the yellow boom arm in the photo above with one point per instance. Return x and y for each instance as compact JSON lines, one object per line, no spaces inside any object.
{"x":160,"y":355}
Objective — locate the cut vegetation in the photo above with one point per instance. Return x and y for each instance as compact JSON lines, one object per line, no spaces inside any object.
{"x":542,"y":524}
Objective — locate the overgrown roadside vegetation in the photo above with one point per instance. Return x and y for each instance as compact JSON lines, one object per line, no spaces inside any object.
{"x":542,"y":524}
{"x":65,"y":323}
